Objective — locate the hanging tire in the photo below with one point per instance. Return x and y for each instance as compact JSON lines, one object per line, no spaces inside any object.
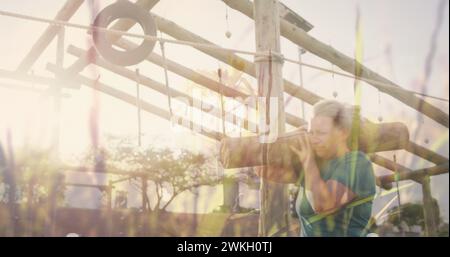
{"x":128,"y":10}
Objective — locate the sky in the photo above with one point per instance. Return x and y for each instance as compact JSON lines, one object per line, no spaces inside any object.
{"x":396,"y":39}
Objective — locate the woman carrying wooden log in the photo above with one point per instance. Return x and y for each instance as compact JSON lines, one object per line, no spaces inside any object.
{"x":337,"y":183}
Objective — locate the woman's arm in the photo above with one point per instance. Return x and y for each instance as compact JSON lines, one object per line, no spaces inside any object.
{"x":324,"y":196}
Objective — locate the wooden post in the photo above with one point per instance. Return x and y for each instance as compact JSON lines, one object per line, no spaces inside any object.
{"x":301,"y":51}
{"x":145,"y":207}
{"x":138,"y":97}
{"x":109,"y":195}
{"x":109,"y":218}
{"x":144,"y":193}
{"x":273,"y":197}
{"x":429,"y":208}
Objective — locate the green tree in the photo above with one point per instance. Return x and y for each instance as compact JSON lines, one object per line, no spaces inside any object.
{"x":36,"y":174}
{"x":171,"y":171}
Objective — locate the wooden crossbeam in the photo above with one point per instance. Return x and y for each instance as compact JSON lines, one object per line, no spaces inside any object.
{"x":416,"y":175}
{"x":66,"y":12}
{"x":110,"y":171}
{"x":20,"y":76}
{"x":390,"y":165}
{"x":425,"y":153}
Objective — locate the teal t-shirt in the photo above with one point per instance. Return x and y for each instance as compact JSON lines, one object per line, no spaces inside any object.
{"x":355,"y":171}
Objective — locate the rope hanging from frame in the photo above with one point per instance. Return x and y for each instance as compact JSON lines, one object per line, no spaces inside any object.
{"x":166,"y":78}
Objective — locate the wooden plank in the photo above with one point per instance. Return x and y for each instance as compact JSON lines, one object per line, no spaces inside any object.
{"x":66,"y":12}
{"x":289,"y":15}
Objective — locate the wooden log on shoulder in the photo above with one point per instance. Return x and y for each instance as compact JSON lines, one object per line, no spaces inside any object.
{"x":247,"y":151}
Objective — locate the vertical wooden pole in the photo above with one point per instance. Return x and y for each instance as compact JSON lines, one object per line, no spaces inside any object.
{"x":109,"y":192}
{"x":144,"y":193}
{"x":145,"y":208}
{"x":109,"y":221}
{"x":274,"y":199}
{"x":429,"y":208}
{"x":138,"y":104}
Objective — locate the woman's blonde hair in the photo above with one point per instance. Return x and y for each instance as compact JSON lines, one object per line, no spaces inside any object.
{"x":341,"y":113}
